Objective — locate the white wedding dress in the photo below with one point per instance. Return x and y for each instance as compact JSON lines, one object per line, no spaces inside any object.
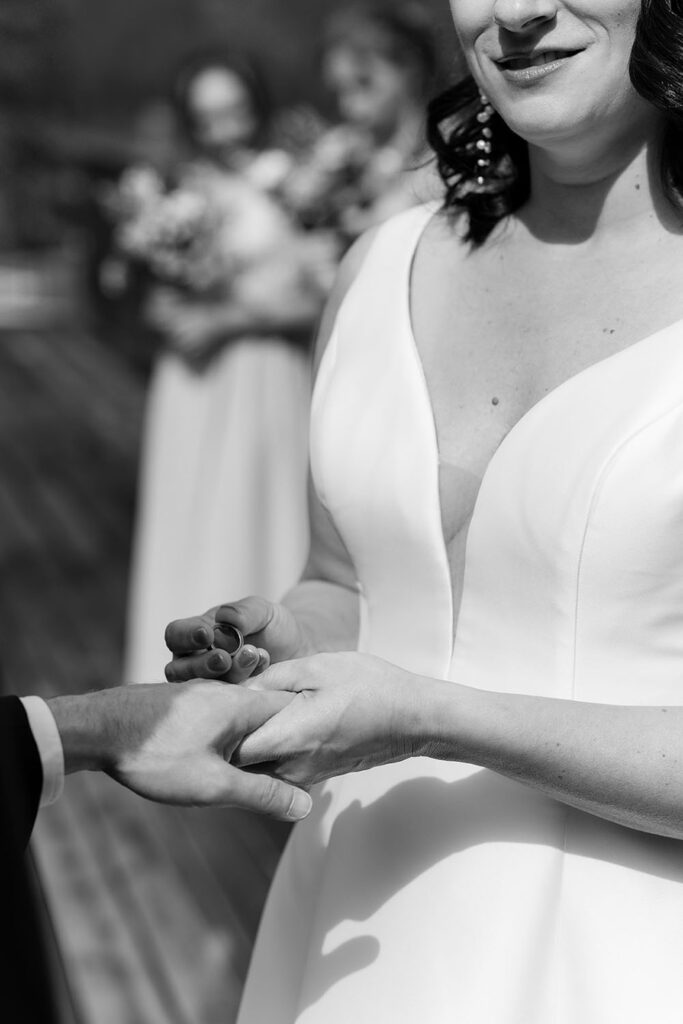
{"x":437,"y":893}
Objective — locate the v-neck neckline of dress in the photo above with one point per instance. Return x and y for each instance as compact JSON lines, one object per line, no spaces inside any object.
{"x":407,"y":291}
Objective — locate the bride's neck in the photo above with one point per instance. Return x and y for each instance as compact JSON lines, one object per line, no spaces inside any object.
{"x":603,"y":188}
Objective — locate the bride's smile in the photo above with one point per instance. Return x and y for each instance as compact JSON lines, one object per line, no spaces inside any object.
{"x":529,"y":67}
{"x":552,"y":69}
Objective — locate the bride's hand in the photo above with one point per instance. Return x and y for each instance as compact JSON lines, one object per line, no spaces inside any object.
{"x":351,"y":712}
{"x":201,"y":650}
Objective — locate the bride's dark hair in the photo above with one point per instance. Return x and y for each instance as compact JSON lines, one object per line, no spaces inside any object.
{"x":657,"y":73}
{"x":656,"y":70}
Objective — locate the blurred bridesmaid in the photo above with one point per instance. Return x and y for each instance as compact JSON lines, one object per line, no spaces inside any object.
{"x":380,"y":63}
{"x":222,"y":494}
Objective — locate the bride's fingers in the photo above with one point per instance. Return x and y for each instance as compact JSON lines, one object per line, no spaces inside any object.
{"x":263,"y":662}
{"x":251,"y":615}
{"x":285,"y":675}
{"x":193,"y":634}
{"x":205,"y":665}
{"x":217,"y":664}
{"x":259,"y":748}
{"x":244,"y":664}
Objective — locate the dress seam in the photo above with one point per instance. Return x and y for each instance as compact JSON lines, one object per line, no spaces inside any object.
{"x":592,"y":505}
{"x":594,"y":499}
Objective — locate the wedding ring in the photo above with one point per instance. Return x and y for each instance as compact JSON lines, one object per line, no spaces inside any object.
{"x":232,"y":640}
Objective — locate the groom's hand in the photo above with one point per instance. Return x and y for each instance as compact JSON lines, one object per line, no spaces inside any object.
{"x":201,"y":651}
{"x":172,"y":744}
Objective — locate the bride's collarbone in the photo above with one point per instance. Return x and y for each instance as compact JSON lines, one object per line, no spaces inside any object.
{"x":522,"y":290}
{"x":499,"y":330}
{"x":490,"y":355}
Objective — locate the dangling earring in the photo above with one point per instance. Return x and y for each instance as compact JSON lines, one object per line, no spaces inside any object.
{"x":483,"y":146}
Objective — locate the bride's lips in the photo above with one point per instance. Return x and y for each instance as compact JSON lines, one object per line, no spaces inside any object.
{"x":530,"y":67}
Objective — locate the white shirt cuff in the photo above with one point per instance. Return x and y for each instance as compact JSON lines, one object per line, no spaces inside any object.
{"x":49,"y":743}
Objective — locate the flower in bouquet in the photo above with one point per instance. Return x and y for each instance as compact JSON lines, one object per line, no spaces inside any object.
{"x":137,"y":188}
{"x":172,"y":232}
{"x":329,"y":178}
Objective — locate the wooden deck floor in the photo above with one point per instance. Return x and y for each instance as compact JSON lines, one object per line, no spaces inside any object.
{"x":154,"y":909}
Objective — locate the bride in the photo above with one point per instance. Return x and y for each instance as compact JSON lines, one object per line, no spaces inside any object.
{"x":497,"y":509}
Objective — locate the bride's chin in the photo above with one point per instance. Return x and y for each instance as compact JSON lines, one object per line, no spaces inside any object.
{"x":548,"y":126}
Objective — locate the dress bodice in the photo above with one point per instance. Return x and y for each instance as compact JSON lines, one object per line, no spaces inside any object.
{"x":575,"y":545}
{"x":375,"y":464}
{"x":442,"y":892}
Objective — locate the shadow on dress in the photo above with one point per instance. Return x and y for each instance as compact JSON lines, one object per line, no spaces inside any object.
{"x":420,"y":822}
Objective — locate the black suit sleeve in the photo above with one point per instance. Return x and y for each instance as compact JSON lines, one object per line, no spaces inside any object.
{"x":21,"y":775}
{"x":25,"y":989}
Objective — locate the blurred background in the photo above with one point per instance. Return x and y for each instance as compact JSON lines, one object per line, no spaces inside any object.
{"x":151,"y":912}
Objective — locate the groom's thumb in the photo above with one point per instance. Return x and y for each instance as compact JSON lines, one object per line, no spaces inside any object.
{"x":265,"y":795}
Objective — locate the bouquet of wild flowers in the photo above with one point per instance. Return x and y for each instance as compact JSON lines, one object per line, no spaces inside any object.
{"x":329,"y":179}
{"x":171,"y":232}
{"x":316,"y":171}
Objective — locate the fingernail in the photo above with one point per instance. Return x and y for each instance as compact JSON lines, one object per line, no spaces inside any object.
{"x":202,"y":636}
{"x":300,"y":806}
{"x":247,"y":657}
{"x":217,"y":663}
